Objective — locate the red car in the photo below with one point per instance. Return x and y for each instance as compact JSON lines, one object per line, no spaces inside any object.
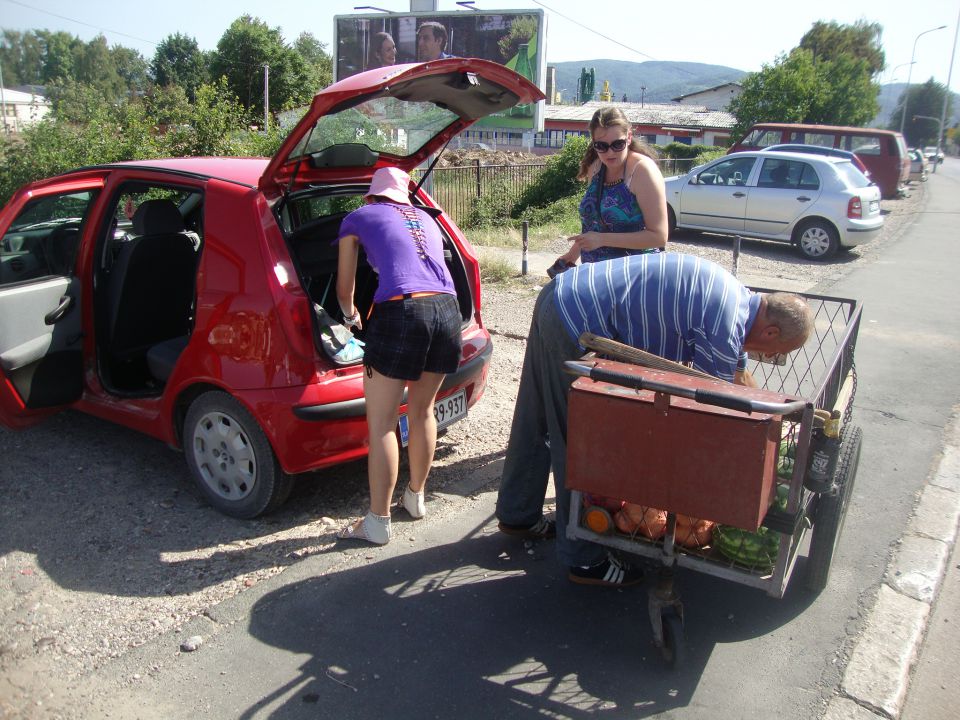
{"x":190,"y":299}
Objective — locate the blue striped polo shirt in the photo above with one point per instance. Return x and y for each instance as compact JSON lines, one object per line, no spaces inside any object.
{"x":677,"y":306}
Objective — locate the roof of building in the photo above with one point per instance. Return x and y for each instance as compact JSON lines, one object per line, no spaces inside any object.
{"x":707,"y":90}
{"x":15,"y":97}
{"x":692,"y":116}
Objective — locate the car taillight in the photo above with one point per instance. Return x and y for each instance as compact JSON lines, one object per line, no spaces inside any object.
{"x":854,"y":208}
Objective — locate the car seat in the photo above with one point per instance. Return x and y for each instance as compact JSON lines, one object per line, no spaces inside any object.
{"x":779,"y":176}
{"x":151,"y":284}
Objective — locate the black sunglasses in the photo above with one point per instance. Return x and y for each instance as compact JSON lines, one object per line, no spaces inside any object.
{"x":616,"y":145}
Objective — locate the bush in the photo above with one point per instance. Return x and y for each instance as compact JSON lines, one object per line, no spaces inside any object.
{"x":564,"y":213}
{"x":491,"y":208}
{"x":680,"y":151}
{"x":708,"y":155}
{"x":558,"y":179}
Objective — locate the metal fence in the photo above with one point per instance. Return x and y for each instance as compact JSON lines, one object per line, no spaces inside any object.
{"x":457,"y":189}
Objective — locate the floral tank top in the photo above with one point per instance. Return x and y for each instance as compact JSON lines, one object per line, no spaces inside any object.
{"x":610,"y":208}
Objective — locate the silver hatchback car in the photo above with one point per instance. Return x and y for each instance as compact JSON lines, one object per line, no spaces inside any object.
{"x":820,"y":204}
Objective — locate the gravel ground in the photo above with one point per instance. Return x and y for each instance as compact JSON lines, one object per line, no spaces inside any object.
{"x":105,"y":544}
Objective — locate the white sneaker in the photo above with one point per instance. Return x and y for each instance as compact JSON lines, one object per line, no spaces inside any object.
{"x":371,"y":528}
{"x":413,"y":503}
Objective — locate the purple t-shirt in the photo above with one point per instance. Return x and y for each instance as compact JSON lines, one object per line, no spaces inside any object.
{"x":404,"y":247}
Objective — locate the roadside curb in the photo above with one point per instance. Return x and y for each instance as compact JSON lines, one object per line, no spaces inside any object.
{"x":877,"y":677}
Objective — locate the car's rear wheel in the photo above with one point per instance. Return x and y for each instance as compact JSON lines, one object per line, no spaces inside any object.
{"x":817,"y":239}
{"x":231,"y":459}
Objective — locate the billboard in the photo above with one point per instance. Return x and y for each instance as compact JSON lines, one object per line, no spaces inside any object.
{"x":514,"y":38}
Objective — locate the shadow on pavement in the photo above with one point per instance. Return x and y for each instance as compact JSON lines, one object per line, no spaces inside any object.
{"x":482,"y":628}
{"x":104,"y":509}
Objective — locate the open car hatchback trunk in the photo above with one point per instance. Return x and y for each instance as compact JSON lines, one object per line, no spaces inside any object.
{"x":314,"y":224}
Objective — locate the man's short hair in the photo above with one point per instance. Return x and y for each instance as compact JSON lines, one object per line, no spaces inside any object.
{"x":438,"y":30}
{"x":791,"y":314}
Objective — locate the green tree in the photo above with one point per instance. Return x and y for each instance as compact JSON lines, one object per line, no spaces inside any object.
{"x":95,"y":66}
{"x":925,"y":102}
{"x":828,"y":79}
{"x":782,"y":92}
{"x":131,"y":67}
{"x":318,"y":61}
{"x":168,"y":106}
{"x":179,"y":61}
{"x":60,"y":52}
{"x":831,"y":40}
{"x":243,"y":51}
{"x":22,"y":58}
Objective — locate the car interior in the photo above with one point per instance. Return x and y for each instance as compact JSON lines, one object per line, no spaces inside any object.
{"x":146,"y":285}
{"x":312,"y":224}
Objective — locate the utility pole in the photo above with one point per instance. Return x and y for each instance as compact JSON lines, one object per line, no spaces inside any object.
{"x":3,"y":102}
{"x":946,"y":95}
{"x":266,"y":98}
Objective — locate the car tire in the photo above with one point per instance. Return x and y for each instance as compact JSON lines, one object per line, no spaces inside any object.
{"x":817,"y":240}
{"x":671,"y":222}
{"x":231,"y":459}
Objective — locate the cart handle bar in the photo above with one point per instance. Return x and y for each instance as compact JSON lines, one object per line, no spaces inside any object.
{"x":707,"y":397}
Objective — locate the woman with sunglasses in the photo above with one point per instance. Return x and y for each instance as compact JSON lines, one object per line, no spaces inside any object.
{"x":624,"y":210}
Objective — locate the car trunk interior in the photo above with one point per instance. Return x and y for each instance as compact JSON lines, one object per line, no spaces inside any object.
{"x":314,"y":253}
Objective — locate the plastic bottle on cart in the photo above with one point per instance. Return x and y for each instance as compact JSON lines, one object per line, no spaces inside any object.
{"x":824,"y":450}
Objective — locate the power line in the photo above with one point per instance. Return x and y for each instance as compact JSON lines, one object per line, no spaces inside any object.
{"x":80,"y":22}
{"x":605,"y":37}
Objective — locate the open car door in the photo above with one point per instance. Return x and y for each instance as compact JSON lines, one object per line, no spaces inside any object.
{"x":41,"y":333}
{"x":397,"y":116}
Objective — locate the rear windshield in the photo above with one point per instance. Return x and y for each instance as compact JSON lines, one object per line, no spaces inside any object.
{"x":384,"y":124}
{"x":851,"y":176}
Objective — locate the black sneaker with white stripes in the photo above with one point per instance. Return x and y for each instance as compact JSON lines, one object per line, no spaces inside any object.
{"x":542,"y":529}
{"x":610,"y":573}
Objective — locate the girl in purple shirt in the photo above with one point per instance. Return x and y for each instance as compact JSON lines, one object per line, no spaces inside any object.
{"x":412,"y":339}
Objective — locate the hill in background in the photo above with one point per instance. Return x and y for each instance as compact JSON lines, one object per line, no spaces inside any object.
{"x":667,"y":80}
{"x":663,"y":80}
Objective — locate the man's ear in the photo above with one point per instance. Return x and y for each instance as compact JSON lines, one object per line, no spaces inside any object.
{"x":770,"y":333}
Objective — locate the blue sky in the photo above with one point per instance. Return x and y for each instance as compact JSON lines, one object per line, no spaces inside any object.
{"x":744,"y":34}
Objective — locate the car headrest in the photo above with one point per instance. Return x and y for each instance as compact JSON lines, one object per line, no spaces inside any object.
{"x":157,"y":217}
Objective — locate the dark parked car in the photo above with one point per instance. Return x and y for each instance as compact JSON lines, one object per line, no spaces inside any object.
{"x":817,"y":150}
{"x":192,"y":299}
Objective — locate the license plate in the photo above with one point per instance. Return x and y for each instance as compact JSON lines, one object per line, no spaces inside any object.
{"x":446,"y":411}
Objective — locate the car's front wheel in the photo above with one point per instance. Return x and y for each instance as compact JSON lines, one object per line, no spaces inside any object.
{"x":817,"y":239}
{"x":671,"y":221}
{"x":231,"y":459}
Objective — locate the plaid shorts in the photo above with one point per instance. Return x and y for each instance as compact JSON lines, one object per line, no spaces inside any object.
{"x":415,"y":335}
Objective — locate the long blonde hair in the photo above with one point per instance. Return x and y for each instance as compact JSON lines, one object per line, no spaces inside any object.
{"x":611,"y":117}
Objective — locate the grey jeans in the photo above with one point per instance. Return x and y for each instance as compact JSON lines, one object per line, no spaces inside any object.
{"x":541,"y":414}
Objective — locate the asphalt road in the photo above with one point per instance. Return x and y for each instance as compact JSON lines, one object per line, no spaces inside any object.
{"x":459,"y":621}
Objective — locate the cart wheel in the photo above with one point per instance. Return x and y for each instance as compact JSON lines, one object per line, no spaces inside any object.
{"x":831,"y":511}
{"x":674,"y":650}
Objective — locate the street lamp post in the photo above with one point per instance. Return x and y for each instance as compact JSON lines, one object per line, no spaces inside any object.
{"x":906,"y":97}
{"x":946,"y":95}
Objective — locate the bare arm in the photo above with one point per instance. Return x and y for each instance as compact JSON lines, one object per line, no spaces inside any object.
{"x":647,"y":186}
{"x":346,"y":277}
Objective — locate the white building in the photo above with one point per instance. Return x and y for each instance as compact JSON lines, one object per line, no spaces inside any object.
{"x":715,"y":98}
{"x":19,"y":109}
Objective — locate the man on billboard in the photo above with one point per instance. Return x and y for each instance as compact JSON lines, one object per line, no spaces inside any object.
{"x":431,"y":41}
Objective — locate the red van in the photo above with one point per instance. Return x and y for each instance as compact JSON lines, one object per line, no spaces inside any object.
{"x":884,"y":152}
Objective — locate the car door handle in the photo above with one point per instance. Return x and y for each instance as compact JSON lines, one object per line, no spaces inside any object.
{"x":739,"y":194}
{"x":804,"y":198}
{"x":59,"y":311}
